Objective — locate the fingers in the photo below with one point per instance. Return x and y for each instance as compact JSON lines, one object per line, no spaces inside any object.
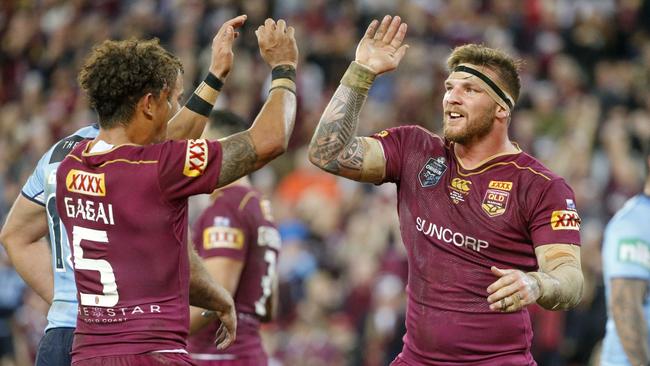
{"x":383,"y":27}
{"x":501,"y":294}
{"x":401,"y":52}
{"x":372,"y":28}
{"x":501,"y":282}
{"x":508,"y":304}
{"x":399,"y":36}
{"x":281,"y":26}
{"x":393,"y":27}
{"x":236,"y":22}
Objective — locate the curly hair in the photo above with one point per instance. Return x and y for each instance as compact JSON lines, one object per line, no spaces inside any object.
{"x":117,"y":74}
{"x":506,"y":67}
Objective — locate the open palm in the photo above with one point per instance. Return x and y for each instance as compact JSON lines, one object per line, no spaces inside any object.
{"x":381,"y":47}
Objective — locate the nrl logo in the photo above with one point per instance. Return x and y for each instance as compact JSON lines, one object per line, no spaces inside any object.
{"x":432,"y":171}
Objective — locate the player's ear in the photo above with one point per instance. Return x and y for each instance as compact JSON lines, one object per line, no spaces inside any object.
{"x":502,"y":113}
{"x":146,"y":103}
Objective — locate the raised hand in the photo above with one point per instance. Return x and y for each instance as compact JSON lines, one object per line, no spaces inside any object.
{"x":277,"y":43}
{"x":381,"y":47}
{"x":222,"y":55}
{"x":512,"y":291}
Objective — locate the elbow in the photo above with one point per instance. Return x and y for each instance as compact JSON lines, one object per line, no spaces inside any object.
{"x":5,"y":240}
{"x":316,"y":157}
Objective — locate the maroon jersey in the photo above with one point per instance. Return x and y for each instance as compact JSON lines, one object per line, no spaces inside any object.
{"x":125,"y":211}
{"x":456,"y":223}
{"x":238,"y":225}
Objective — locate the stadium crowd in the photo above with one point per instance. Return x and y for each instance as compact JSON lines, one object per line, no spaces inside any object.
{"x":584,"y":111}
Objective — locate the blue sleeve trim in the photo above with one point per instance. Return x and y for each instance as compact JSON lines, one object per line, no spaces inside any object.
{"x":32,"y":198}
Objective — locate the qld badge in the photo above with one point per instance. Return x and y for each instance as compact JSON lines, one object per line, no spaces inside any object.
{"x":432,"y":171}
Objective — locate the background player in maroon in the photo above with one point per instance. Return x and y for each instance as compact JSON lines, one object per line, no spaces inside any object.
{"x":488,"y":229}
{"x":123,"y":200}
{"x":240,"y":244}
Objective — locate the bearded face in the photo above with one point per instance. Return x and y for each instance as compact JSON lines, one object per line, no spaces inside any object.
{"x":463,"y":125}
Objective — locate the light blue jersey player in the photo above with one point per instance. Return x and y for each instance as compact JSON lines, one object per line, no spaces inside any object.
{"x":40,"y":188}
{"x":626,"y":269}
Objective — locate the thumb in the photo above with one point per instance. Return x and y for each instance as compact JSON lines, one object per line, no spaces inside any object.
{"x":498,"y":272}
{"x":401,"y":52}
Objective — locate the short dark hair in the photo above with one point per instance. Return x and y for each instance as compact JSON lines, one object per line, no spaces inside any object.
{"x":227,"y":122}
{"x":117,"y":74}
{"x":505,"y":66}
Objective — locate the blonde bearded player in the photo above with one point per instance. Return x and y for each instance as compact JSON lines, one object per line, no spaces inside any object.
{"x":488,"y":229}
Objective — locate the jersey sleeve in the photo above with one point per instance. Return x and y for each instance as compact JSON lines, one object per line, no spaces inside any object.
{"x":34,"y":188}
{"x":189,"y":167}
{"x":394,"y":145}
{"x":223,"y":233}
{"x":554,"y":219}
{"x":626,"y":251}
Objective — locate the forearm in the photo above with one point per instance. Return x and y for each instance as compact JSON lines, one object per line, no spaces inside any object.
{"x":632,"y":329}
{"x":190,"y":121}
{"x":204,"y":291}
{"x":626,"y":304}
{"x":26,"y":257}
{"x":560,"y":288}
{"x":267,"y":138}
{"x":333,"y":147}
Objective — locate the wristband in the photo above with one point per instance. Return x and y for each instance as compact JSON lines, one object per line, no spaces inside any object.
{"x":358,"y":77}
{"x":284,"y":72}
{"x":199,"y":105}
{"x":214,"y":82}
{"x":283,"y":83}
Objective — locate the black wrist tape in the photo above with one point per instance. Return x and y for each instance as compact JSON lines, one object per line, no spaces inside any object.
{"x":198,"y":105}
{"x":212,"y":81}
{"x":284,"y":71}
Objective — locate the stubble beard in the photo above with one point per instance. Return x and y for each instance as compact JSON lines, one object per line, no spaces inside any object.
{"x":474,"y":130}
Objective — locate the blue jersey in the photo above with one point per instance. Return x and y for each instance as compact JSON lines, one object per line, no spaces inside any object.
{"x":626,"y":254}
{"x":41,"y":188}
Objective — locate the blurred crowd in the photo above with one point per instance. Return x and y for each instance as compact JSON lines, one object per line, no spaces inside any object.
{"x":584,"y":111}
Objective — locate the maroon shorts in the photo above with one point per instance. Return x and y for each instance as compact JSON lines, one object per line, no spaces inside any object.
{"x":248,"y":361}
{"x":145,"y":359}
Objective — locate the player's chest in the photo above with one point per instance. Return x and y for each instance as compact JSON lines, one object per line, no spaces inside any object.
{"x":488,"y":197}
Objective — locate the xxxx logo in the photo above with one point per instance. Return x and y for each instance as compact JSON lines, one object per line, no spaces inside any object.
{"x":461,"y":185}
{"x":505,"y":186}
{"x":565,"y":220}
{"x":196,"y":158}
{"x":85,"y":183}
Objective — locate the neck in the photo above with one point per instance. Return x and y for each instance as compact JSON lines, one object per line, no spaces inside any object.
{"x":132,"y":133}
{"x":646,"y":189}
{"x":114,"y":136}
{"x":473,"y":153}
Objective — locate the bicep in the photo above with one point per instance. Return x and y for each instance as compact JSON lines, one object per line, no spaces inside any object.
{"x":226,"y":271}
{"x":552,"y":256}
{"x":239,"y":157}
{"x":26,"y":222}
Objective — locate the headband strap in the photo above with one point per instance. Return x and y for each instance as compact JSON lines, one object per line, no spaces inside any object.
{"x":506,"y":98}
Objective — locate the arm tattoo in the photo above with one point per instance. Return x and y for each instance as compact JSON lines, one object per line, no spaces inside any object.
{"x":239,"y":157}
{"x":333,"y":146}
{"x":627,"y":310}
